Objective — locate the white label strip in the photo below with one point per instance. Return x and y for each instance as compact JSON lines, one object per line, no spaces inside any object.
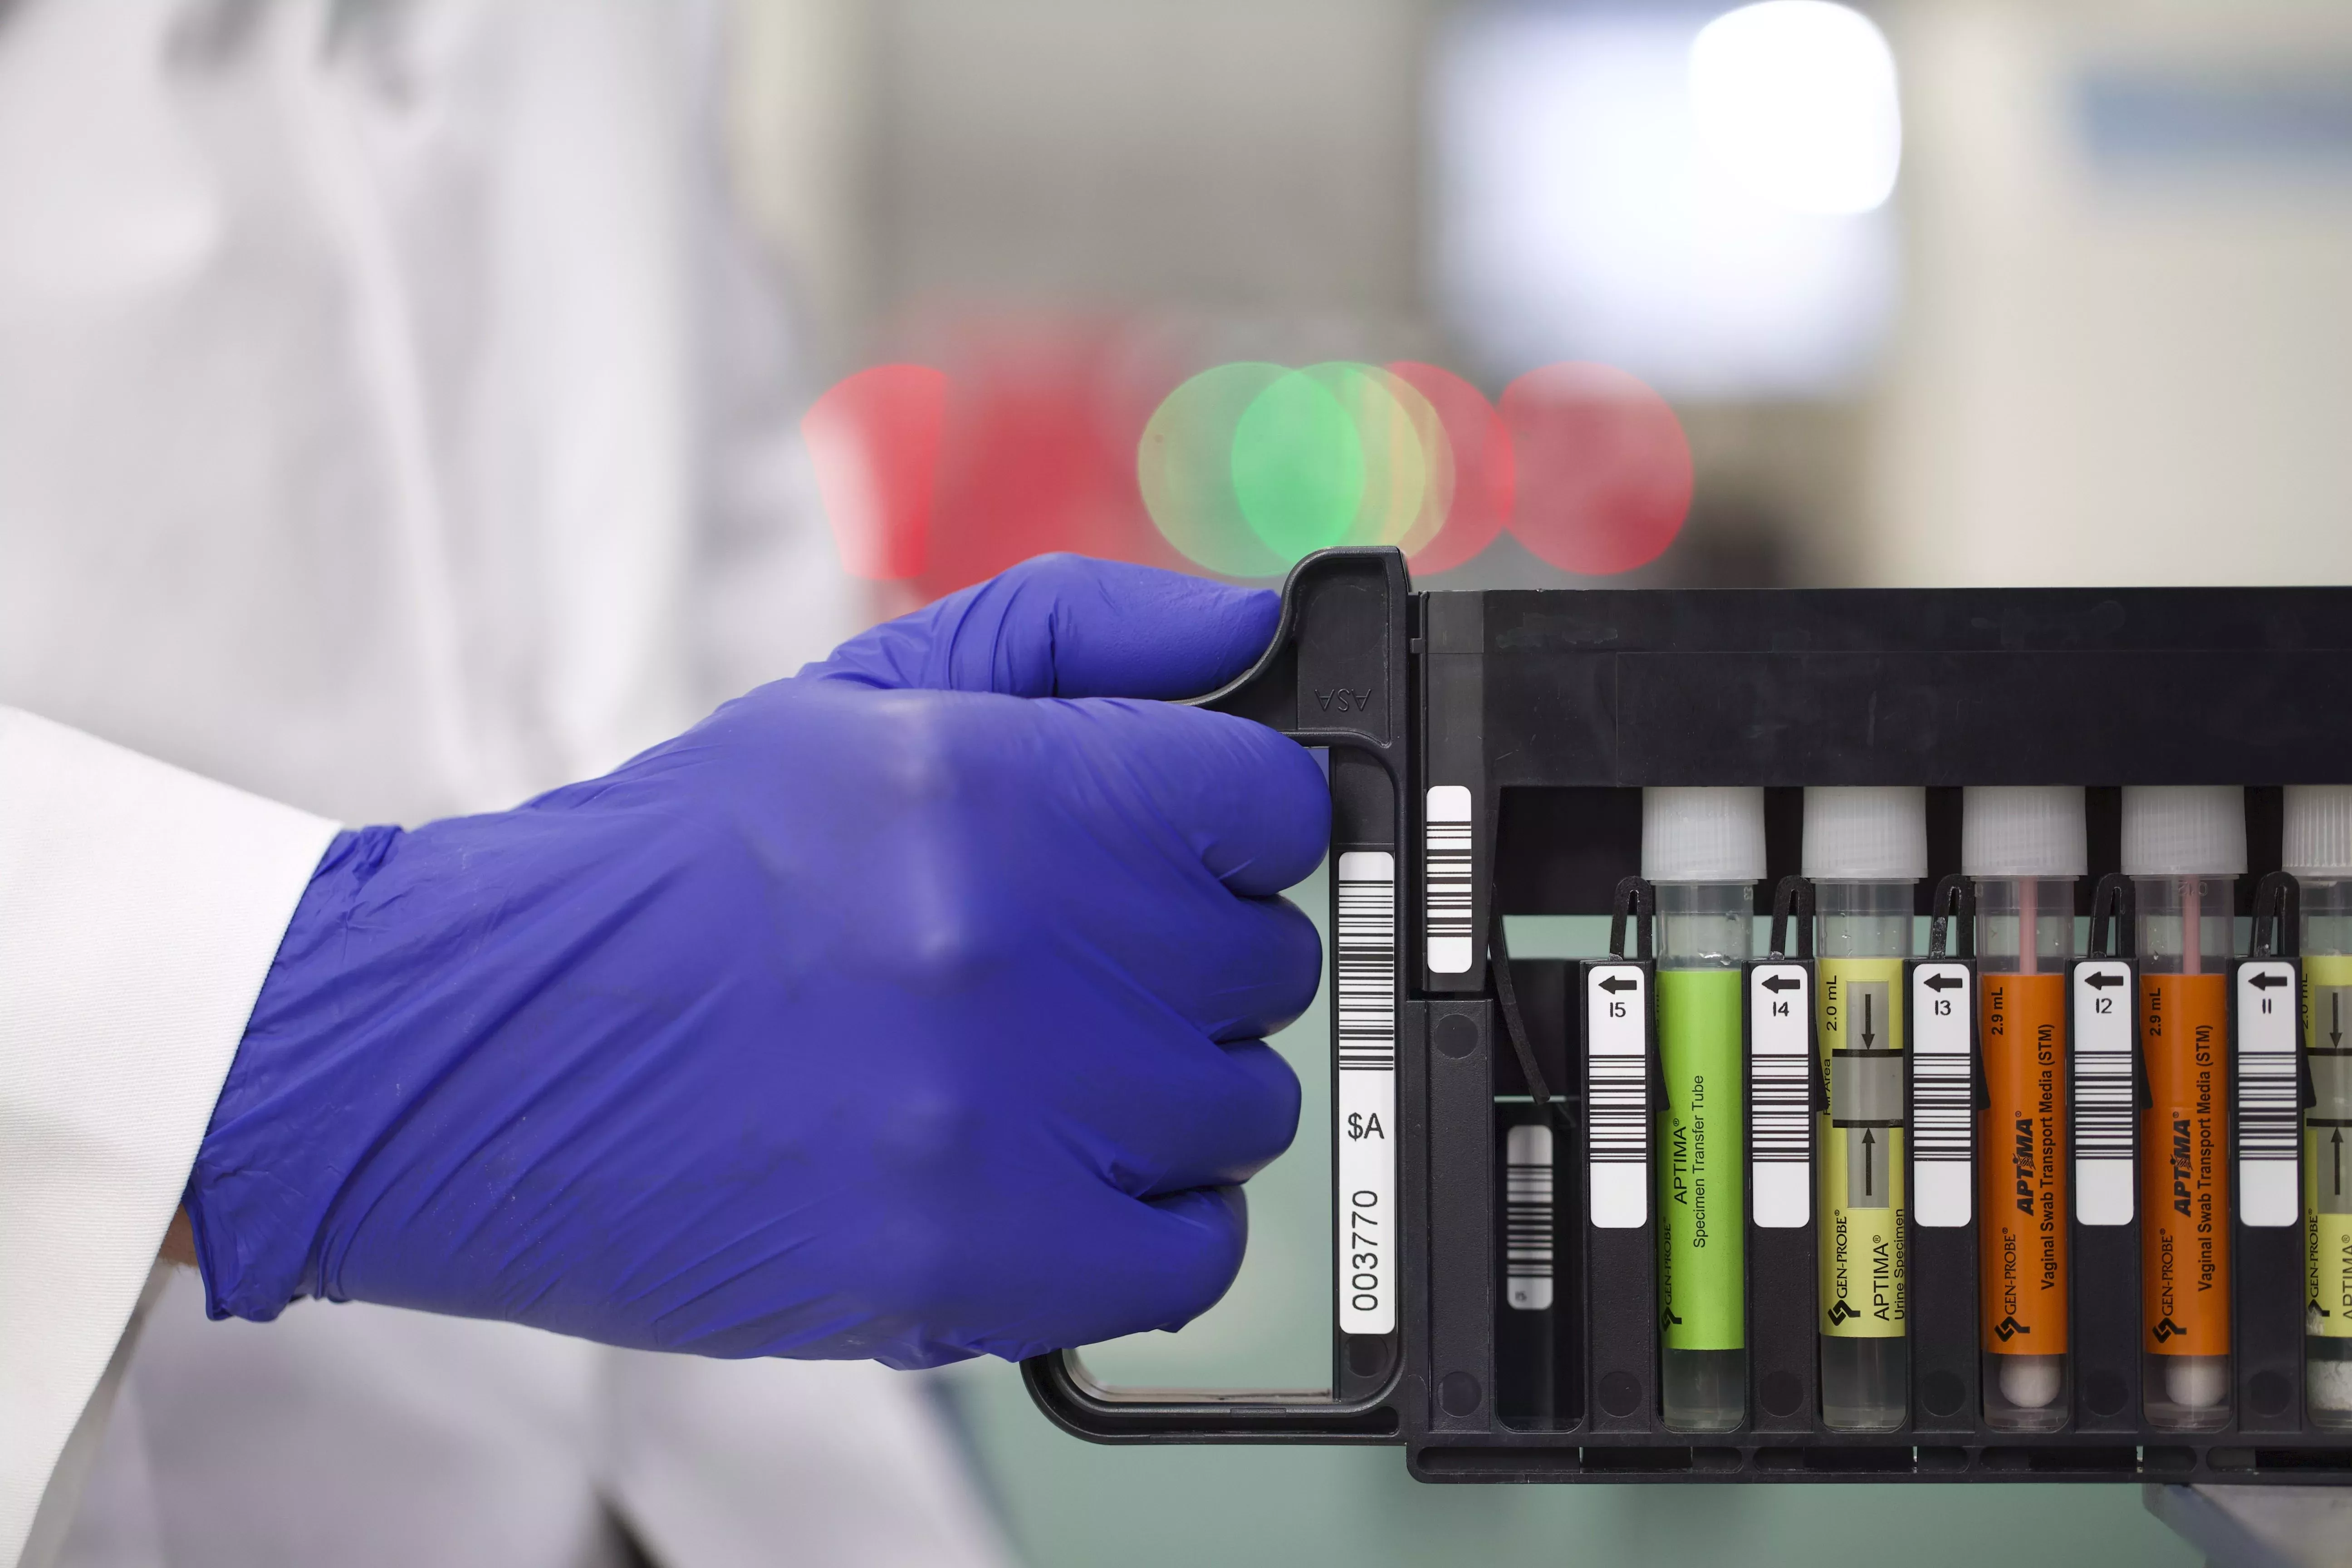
{"x":1942,"y":1098}
{"x":1445,"y":863}
{"x":1526,"y":1218}
{"x":1780,"y":1095}
{"x":2270,"y":1112}
{"x":1617,"y":1095}
{"x":2106,"y":1110}
{"x":1365,"y":1107}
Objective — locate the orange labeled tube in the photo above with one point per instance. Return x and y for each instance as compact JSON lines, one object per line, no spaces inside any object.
{"x":2184,"y":846}
{"x":2025,"y":847}
{"x":2024,"y":1200}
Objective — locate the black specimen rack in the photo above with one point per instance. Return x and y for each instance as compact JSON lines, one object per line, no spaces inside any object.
{"x":1491,"y":747}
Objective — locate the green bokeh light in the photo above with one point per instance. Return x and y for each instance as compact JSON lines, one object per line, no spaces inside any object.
{"x":1249,"y":466}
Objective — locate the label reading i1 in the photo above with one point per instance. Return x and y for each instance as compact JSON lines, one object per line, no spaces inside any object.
{"x":1780,"y":1095}
{"x":1616,"y":1094}
{"x":2270,"y":1112}
{"x":1943,"y":1102}
{"x":1365,"y":1105}
{"x":2106,"y":1107}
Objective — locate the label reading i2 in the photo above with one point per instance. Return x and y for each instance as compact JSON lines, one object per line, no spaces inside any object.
{"x":1365,"y":1106}
{"x":2106,"y":1107}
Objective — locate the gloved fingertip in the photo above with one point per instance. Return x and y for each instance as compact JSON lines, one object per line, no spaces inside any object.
{"x":1204,"y":1234}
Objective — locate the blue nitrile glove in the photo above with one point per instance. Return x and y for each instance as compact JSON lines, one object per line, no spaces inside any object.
{"x":908,"y":1009}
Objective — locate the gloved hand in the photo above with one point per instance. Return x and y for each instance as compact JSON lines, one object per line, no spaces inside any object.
{"x":909,"y":1008}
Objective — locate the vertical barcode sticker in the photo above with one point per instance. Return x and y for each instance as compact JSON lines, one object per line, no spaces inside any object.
{"x":1526,"y":1218}
{"x":2106,"y":1102}
{"x":1780,"y":1095}
{"x":1445,"y":862}
{"x":1365,"y":1107}
{"x":2269,"y":1135}
{"x":1617,"y":1094}
{"x":1943,"y":1093}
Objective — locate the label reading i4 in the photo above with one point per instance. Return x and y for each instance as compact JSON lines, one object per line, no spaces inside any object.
{"x":1780,"y":1097}
{"x":1943,"y":1099}
{"x":2106,"y":1106}
{"x":2270,"y":1112}
{"x":1617,"y":1094}
{"x":1365,"y":1105}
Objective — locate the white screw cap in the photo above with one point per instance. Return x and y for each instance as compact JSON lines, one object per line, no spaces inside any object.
{"x":1870,"y":834}
{"x":2184,"y":830}
{"x":2319,"y":830}
{"x":2023,"y":830}
{"x":1702,"y":835}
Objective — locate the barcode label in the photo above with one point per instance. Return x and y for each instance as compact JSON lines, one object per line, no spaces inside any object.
{"x":1526,"y":1218}
{"x":1617,"y":1094}
{"x":1943,"y":1097}
{"x":1365,"y":1106}
{"x":1780,"y":1095}
{"x":2107,"y":1106}
{"x":1446,"y":864}
{"x":2270,"y":1111}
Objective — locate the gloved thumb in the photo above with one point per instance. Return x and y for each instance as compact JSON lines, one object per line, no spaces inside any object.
{"x":1064,"y":625}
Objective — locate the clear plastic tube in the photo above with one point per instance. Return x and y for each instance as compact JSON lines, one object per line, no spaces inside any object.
{"x":2326,"y":1186}
{"x":2025,"y":937}
{"x":1864,"y":933}
{"x":1704,"y":934}
{"x":2185,"y":943}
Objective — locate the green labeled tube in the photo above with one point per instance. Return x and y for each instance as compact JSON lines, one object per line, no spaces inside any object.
{"x":1864,"y":850}
{"x":1704,"y":850}
{"x":2319,"y":853}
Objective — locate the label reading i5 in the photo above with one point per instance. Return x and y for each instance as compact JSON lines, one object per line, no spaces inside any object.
{"x":1617,"y":1094}
{"x":1365,"y":1105}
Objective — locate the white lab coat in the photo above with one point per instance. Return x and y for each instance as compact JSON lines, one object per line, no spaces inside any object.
{"x":392,"y":422}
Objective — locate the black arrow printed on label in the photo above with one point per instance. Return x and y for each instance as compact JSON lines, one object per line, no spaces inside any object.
{"x":2264,"y":981}
{"x":2101,"y":981}
{"x":1615,"y":984}
{"x":1866,"y":1036}
{"x":2336,"y":1017}
{"x":1942,"y":982}
{"x":2336,"y":1140}
{"x":1868,"y":1144}
{"x":1782,"y":982}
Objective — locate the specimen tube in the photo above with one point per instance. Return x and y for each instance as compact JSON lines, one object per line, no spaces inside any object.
{"x":2319,"y":854}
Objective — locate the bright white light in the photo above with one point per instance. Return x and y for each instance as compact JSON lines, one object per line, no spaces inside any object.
{"x":1578,"y":218}
{"x":1796,"y":101}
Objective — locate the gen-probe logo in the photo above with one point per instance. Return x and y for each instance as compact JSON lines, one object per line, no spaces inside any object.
{"x":2166,"y":1328}
{"x":1839,"y":1313}
{"x":2009,"y":1328}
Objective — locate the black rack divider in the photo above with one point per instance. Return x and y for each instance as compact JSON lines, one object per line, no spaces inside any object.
{"x":1783,"y":1279}
{"x":2104,"y":1304}
{"x":1549,"y":711}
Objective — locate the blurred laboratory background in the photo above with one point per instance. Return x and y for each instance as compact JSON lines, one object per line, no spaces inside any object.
{"x":1937,"y":291}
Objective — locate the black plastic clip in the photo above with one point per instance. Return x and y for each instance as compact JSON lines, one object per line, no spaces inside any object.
{"x":2114,"y":914}
{"x":1954,"y":900}
{"x":1507,"y":1001}
{"x":1793,"y":896}
{"x":1638,"y":901}
{"x":2277,"y":933}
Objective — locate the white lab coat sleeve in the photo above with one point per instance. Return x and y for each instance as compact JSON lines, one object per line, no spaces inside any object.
{"x":139,"y":910}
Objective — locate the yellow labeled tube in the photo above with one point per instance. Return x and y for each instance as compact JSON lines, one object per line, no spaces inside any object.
{"x":1864,"y":849}
{"x":2318,"y":843}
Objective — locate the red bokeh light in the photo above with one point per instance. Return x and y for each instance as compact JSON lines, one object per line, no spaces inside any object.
{"x":873,"y":440}
{"x":1604,"y":471}
{"x":1484,"y":472}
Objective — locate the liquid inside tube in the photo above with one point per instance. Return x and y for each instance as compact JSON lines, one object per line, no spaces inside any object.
{"x":1864,"y":933}
{"x":1704,"y":931}
{"x":2025,"y":929}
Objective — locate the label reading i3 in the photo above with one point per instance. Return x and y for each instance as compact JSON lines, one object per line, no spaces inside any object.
{"x":2326,"y":1191}
{"x":1780,"y":1108}
{"x":1365,"y":1104}
{"x":1616,"y":1095}
{"x":1862,"y":1161}
{"x":1942,"y":1098}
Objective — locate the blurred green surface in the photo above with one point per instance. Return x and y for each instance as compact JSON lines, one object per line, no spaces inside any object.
{"x":1070,"y":1504}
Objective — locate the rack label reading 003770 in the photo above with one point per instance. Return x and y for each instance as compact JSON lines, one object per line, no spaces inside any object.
{"x":1365,"y":1105}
